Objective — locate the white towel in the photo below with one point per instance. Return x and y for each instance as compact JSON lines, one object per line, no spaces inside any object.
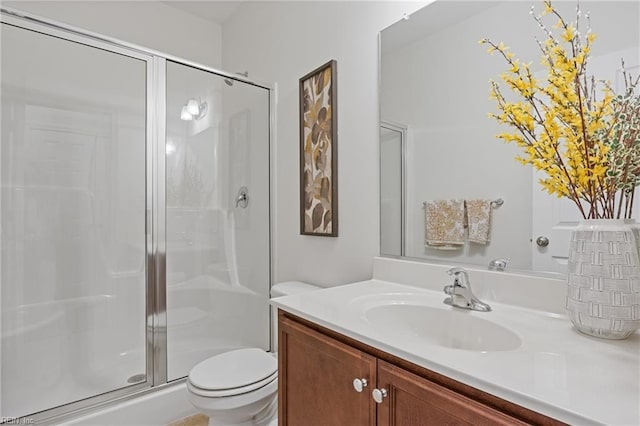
{"x":479,"y":221}
{"x":444,"y":224}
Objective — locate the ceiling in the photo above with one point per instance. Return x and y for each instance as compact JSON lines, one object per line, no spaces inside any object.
{"x":211,"y":10}
{"x":431,"y":19}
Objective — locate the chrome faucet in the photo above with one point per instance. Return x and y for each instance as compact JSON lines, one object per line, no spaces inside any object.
{"x":460,"y":294}
{"x":498,"y":264}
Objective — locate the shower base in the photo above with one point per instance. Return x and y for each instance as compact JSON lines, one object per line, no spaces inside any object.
{"x":160,"y":407}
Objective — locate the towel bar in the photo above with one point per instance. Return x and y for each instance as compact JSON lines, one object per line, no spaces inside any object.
{"x":497,"y":202}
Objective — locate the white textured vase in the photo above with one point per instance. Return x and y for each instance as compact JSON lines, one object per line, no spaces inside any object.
{"x":603,"y":293}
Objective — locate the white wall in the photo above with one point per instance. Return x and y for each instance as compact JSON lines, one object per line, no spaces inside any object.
{"x":280,"y":42}
{"x":146,"y":23}
{"x":438,"y":86}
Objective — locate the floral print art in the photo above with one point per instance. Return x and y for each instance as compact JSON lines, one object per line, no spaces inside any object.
{"x":318,"y":149}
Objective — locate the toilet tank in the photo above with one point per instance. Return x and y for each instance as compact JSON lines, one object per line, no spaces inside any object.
{"x":286,"y":288}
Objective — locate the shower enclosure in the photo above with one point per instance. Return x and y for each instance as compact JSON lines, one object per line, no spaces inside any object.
{"x":134,"y":213}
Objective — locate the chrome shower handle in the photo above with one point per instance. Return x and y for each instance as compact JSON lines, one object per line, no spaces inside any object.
{"x":242,"y":199}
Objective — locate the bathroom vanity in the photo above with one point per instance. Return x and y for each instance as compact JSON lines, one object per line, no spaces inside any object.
{"x":330,"y":379}
{"x":380,"y":352}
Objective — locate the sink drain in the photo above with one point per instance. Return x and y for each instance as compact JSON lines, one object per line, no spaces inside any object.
{"x":137,"y":378}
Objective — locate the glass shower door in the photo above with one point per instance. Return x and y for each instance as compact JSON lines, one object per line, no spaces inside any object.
{"x":217,"y":149}
{"x":73,"y":221}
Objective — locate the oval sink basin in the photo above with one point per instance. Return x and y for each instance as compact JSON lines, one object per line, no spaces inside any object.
{"x":455,"y":329}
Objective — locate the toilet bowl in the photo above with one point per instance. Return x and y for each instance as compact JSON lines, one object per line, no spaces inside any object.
{"x":240,"y":387}
{"x":234,"y":388}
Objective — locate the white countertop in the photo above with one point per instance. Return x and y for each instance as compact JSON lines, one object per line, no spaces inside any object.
{"x":556,"y":371}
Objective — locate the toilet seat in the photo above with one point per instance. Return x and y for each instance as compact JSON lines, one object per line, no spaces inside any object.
{"x":246,"y":404}
{"x":233,"y":373}
{"x":234,"y":391}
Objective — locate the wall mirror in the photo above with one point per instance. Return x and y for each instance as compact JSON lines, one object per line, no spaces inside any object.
{"x":437,"y":142}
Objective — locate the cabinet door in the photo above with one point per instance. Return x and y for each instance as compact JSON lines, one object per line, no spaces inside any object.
{"x":316,"y":376}
{"x":414,"y":401}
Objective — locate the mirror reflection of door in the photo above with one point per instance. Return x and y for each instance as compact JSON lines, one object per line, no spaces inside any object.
{"x":556,"y":218}
{"x":392,"y":221}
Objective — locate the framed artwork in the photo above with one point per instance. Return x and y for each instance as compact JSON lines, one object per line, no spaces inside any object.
{"x":318,"y":152}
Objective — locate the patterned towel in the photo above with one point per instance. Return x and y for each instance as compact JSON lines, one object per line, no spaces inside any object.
{"x":479,"y":221}
{"x":444,"y":224}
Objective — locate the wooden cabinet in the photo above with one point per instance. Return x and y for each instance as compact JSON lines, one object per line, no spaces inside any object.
{"x":413,"y":400}
{"x":317,"y":368}
{"x":316,"y":376}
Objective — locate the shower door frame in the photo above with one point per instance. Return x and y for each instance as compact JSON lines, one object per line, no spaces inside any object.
{"x":155,"y":189}
{"x":403,"y":130}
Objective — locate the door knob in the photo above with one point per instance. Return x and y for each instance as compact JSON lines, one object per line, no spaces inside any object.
{"x":359,"y":384}
{"x":542,"y":241}
{"x":379,"y":395}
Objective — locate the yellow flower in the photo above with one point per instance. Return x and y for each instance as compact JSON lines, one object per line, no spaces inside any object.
{"x":547,"y":8}
{"x":560,"y":125}
{"x":569,"y":33}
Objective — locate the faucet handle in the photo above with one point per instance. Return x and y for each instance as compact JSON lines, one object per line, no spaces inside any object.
{"x":456,"y":271}
{"x":460,"y":276}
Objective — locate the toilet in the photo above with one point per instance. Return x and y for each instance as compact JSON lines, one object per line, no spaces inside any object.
{"x":240,"y":387}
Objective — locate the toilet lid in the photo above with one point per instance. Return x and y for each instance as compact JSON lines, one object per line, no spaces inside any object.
{"x":257,"y":386}
{"x":233,"y":369}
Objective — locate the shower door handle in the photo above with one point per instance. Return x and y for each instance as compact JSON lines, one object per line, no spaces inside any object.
{"x":242,"y":199}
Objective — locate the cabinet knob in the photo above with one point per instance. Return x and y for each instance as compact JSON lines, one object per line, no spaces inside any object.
{"x":359,"y":384}
{"x":379,"y":395}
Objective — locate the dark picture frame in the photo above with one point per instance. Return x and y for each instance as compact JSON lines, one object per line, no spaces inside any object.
{"x":319,"y":151}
